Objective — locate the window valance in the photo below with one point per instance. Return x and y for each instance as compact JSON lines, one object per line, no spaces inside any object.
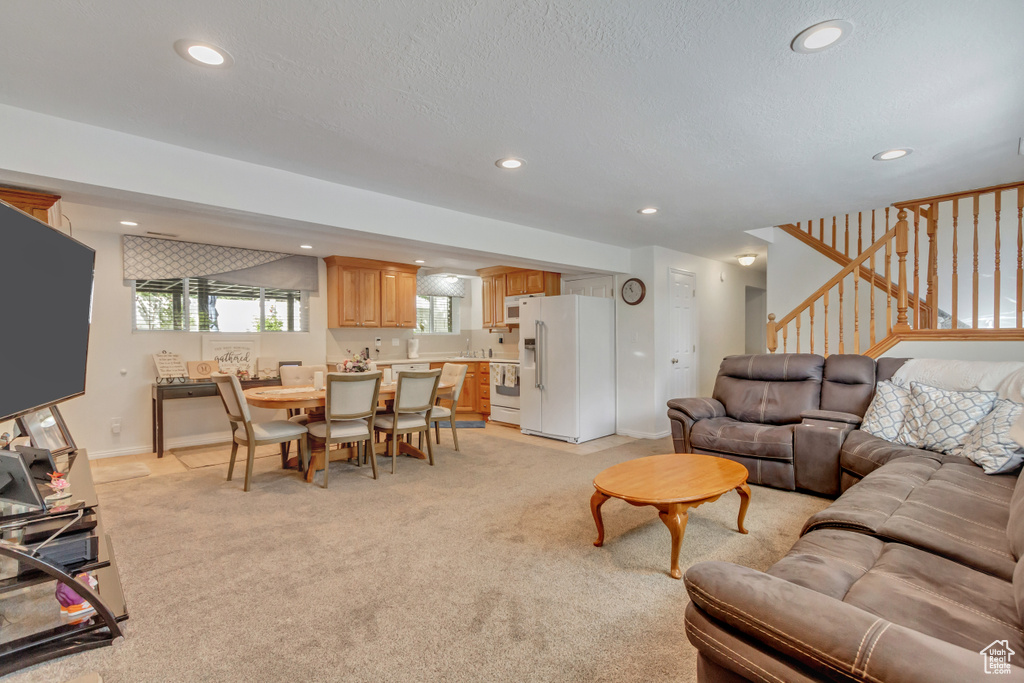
{"x":146,"y":258}
{"x":438,"y":285}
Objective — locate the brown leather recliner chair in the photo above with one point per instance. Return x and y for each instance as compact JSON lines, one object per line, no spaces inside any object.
{"x":783,"y":416}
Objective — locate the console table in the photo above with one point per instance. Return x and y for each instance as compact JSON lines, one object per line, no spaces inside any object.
{"x":34,"y":630}
{"x":191,"y":389}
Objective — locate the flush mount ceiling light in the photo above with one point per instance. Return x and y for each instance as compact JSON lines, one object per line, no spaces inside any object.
{"x":131,"y":223}
{"x":509,"y":163}
{"x":420,"y":261}
{"x":891,"y":154}
{"x":647,"y":211}
{"x":305,"y":246}
{"x":746,"y":259}
{"x":202,"y":53}
{"x":451,"y":279}
{"x":822,"y":36}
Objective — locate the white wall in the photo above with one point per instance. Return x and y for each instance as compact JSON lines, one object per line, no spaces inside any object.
{"x":757,"y":313}
{"x":114,"y":348}
{"x":643,"y":333}
{"x":959,"y":350}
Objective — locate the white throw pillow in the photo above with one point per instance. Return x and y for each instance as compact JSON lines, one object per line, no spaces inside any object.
{"x":989,"y":444}
{"x":940,"y":420}
{"x":887,"y":412}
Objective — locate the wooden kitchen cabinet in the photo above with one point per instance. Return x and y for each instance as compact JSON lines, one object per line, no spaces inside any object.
{"x":45,"y":207}
{"x":367,"y":293}
{"x":502,"y":281}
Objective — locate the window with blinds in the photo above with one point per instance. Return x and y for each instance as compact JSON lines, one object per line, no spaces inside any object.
{"x":436,"y":315}
{"x":204,"y":305}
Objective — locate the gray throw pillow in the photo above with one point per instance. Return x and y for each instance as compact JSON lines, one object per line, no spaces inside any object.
{"x":940,"y":420}
{"x":888,"y":411}
{"x":989,"y":443}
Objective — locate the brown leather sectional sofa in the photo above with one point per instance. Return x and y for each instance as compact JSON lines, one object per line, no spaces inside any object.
{"x":787,"y":418}
{"x":916,"y":573}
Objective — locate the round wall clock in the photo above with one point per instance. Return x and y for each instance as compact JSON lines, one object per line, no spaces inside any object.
{"x":633,"y":291}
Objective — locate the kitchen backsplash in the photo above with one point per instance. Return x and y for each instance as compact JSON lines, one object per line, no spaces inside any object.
{"x":340,"y":341}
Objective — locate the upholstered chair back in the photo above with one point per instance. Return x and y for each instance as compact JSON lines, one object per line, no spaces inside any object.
{"x":454,"y":373}
{"x":416,"y":391}
{"x":769,"y":388}
{"x":230,"y":390}
{"x":352,"y":395}
{"x":848,"y":383}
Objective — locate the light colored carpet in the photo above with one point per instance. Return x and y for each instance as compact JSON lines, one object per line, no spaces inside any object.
{"x":128,"y":470}
{"x":195,"y":457}
{"x":481,"y":568}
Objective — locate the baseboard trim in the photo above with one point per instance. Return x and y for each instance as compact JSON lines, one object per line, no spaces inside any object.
{"x":644,"y":435}
{"x":181,"y":442}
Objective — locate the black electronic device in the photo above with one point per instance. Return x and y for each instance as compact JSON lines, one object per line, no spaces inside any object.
{"x":39,"y":461}
{"x":16,"y":482}
{"x":67,"y":550}
{"x":48,"y":279}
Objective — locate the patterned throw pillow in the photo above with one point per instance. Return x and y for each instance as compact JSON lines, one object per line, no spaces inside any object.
{"x":989,"y":443}
{"x":887,"y":412}
{"x":940,"y":420}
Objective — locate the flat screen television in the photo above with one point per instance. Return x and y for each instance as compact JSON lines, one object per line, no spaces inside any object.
{"x":45,"y":306}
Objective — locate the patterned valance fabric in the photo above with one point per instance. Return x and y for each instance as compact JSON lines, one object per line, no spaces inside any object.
{"x":438,"y":285}
{"x":146,"y":258}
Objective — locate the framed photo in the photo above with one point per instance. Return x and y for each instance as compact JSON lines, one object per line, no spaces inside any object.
{"x":46,"y":429}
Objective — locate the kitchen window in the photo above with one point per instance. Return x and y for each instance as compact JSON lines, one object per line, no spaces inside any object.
{"x":437,"y":314}
{"x":197,"y":304}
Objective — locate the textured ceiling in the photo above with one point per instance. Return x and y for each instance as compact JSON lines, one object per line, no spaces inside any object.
{"x":699,"y":108}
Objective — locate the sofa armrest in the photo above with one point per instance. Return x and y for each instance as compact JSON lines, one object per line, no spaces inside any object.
{"x":840,"y":640}
{"x":831,"y":416}
{"x":698,"y":408}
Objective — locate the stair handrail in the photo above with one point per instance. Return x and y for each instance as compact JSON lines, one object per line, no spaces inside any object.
{"x":898,"y":233}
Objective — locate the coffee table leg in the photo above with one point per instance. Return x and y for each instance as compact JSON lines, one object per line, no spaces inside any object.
{"x":596,"y":501}
{"x":674,"y":516}
{"x":744,"y":492}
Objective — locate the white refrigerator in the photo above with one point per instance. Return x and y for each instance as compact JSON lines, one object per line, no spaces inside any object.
{"x":567,"y":367}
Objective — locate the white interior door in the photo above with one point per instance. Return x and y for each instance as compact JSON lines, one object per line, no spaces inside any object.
{"x":591,"y":286}
{"x":682,"y":361}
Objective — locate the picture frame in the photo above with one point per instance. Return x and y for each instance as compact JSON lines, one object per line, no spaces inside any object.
{"x":46,"y":428}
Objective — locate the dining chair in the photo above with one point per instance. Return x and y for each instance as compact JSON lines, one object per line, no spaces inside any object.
{"x":414,"y":398}
{"x":297,"y":376}
{"x":252,"y":434}
{"x":455,"y":374}
{"x":351,"y":405}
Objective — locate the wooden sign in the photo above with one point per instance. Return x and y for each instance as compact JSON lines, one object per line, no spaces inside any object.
{"x":234,"y":355}
{"x":201,"y":369}
{"x":169,"y":365}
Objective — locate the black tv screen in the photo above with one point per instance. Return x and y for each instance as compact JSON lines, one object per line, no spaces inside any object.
{"x":46,"y":305}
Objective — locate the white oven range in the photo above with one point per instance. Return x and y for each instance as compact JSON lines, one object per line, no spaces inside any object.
{"x":505,"y":398}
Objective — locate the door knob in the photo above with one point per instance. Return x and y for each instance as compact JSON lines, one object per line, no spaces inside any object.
{"x":674,"y":361}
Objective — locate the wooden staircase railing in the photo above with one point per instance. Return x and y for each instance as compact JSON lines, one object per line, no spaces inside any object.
{"x":821,"y":244}
{"x":907,"y":315}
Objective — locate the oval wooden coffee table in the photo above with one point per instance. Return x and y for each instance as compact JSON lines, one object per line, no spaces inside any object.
{"x":673,"y":484}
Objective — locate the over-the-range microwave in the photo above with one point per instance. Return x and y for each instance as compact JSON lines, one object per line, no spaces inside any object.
{"x":512,"y":307}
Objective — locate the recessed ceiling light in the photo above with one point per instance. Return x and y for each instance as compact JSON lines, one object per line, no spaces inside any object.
{"x":890,"y":154}
{"x":131,"y":223}
{"x":202,"y":53}
{"x":647,"y":211}
{"x":509,"y":163}
{"x":305,"y":246}
{"x":822,"y":36}
{"x":746,"y":259}
{"x":420,"y":261}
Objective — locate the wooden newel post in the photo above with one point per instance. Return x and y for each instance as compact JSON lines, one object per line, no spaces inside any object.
{"x":902,"y":247}
{"x":772,"y":337}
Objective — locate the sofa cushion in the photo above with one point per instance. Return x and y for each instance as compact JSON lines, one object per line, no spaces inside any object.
{"x":940,"y":420}
{"x":989,"y":444}
{"x":863,"y":453}
{"x":726,"y":435}
{"x":953,"y":510}
{"x":1015,"y":526}
{"x":769,"y":388}
{"x":848,"y":382}
{"x":887,"y":413}
{"x":906,"y":586}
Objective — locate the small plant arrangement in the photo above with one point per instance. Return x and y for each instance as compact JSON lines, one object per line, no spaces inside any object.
{"x":59,"y":486}
{"x":357,"y":363}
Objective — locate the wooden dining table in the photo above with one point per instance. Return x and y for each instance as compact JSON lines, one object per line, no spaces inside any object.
{"x":314,"y":400}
